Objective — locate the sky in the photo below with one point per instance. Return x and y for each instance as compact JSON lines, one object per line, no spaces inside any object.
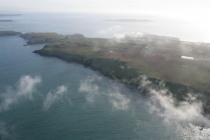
{"x":193,"y":9}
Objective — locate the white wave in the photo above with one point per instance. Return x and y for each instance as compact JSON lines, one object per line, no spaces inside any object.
{"x":24,"y":88}
{"x":54,"y":96}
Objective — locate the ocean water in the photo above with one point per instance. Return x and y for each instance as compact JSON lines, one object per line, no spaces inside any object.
{"x":45,"y":98}
{"x":84,"y":111}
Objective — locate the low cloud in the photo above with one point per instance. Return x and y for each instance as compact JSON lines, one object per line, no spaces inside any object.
{"x":118,"y":100}
{"x":125,"y":36}
{"x":92,"y":89}
{"x":27,"y":85}
{"x":170,"y":110}
{"x":24,"y":88}
{"x":111,"y":30}
{"x":186,"y":116}
{"x":54,"y":96}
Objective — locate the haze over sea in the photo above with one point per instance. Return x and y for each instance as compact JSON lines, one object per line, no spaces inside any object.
{"x":48,"y":99}
{"x":107,"y":25}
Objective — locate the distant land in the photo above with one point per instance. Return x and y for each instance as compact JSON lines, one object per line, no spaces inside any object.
{"x":129,"y":20}
{"x":179,"y":66}
{"x":9,"y":33}
{"x":9,"y":15}
{"x":6,"y":20}
{"x":157,"y":56}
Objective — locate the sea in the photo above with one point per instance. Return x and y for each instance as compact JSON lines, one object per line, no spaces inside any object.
{"x":44,"y":98}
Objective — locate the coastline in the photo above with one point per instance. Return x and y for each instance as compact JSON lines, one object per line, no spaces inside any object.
{"x":79,"y":49}
{"x":137,"y":80}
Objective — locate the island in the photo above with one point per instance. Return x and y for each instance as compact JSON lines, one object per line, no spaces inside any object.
{"x":9,"y":33}
{"x":166,"y":62}
{"x":9,"y":15}
{"x":6,"y":20}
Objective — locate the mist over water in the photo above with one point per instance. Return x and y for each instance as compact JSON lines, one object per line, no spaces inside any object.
{"x":46,"y":98}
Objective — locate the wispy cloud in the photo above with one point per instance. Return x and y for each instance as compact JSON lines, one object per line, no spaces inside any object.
{"x":27,"y":85}
{"x":111,"y":30}
{"x":186,"y":116}
{"x":54,"y":96}
{"x":118,"y":100}
{"x":92,"y":89}
{"x":24,"y":88}
{"x":166,"y":106}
